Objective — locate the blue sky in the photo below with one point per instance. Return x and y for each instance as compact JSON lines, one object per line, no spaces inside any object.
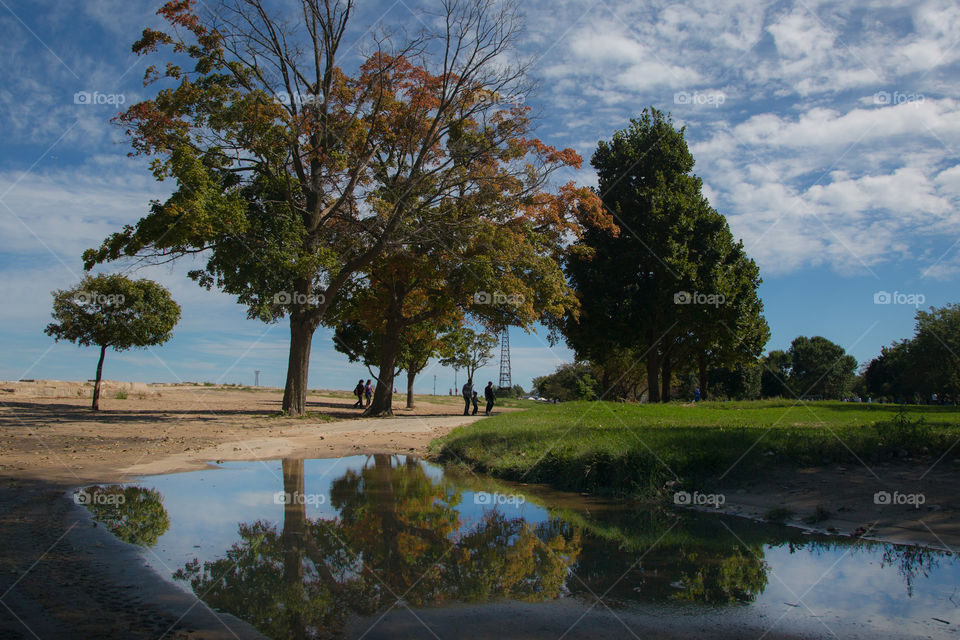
{"x":827,"y":132}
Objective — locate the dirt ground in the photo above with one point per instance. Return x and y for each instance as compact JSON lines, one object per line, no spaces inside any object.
{"x":51,"y":586}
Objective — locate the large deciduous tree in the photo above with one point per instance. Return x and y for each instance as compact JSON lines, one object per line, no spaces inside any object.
{"x":293,"y":175}
{"x":819,"y":367}
{"x":112,"y":311}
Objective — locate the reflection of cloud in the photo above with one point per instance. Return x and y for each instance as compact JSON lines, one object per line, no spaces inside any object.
{"x":856,"y":592}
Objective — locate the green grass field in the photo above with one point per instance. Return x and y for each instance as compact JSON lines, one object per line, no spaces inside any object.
{"x":626,"y":449}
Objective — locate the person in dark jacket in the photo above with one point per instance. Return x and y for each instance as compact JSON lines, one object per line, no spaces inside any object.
{"x":489,"y":394}
{"x":476,"y":404}
{"x":368,"y":392}
{"x":358,"y":391}
{"x":467,"y":396}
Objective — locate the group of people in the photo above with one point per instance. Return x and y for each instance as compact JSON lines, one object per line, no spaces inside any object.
{"x":363,"y":392}
{"x":470,"y":397}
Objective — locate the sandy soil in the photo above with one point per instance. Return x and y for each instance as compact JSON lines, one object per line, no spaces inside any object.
{"x":57,"y":581}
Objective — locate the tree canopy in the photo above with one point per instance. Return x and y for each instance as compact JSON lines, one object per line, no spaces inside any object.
{"x":294,"y":174}
{"x":670,"y":284}
{"x":113,"y":311}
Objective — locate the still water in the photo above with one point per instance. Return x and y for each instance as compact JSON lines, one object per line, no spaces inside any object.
{"x":392,"y":546}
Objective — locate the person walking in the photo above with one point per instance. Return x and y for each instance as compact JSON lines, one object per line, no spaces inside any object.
{"x":489,"y":394}
{"x":358,"y":391}
{"x":368,"y":392}
{"x":476,"y":402}
{"x":467,"y":395}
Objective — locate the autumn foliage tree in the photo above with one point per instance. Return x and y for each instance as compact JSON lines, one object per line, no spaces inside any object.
{"x":293,"y":174}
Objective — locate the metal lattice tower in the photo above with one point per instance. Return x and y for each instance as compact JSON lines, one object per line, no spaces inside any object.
{"x":506,"y":381}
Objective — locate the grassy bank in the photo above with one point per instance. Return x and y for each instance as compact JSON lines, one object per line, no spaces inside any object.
{"x":618,"y":449}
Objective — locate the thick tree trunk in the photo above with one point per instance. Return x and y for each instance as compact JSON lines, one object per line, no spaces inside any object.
{"x":382,"y":404}
{"x":702,"y":374}
{"x":302,"y":327}
{"x":96,"y":383}
{"x":666,"y":368}
{"x":410,"y":378}
{"x":653,"y":374}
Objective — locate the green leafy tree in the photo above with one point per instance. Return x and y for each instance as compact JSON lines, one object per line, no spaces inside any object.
{"x":571,"y":381}
{"x":935,"y":350}
{"x":819,"y":367}
{"x":894,"y":373}
{"x":775,"y":375}
{"x":112,"y":311}
{"x":640,"y":285}
{"x":730,"y":333}
{"x":467,"y":349}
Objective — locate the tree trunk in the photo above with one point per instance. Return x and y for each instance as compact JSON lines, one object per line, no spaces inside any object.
{"x":382,"y":404}
{"x":605,"y":381}
{"x":667,"y":375}
{"x":702,"y":374}
{"x":302,"y":327}
{"x":410,"y":377}
{"x":653,"y":373}
{"x":96,"y":383}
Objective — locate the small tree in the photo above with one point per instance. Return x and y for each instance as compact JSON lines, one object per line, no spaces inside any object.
{"x":113,"y":311}
{"x":466,"y":349}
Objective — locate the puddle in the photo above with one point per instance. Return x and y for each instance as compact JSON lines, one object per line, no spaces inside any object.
{"x":377,"y":546}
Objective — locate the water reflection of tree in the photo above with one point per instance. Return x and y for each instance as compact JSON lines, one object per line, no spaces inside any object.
{"x":133,"y":514}
{"x":651,"y":555}
{"x":396,"y":537}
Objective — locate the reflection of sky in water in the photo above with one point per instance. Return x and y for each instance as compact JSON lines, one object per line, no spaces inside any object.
{"x":847,"y":584}
{"x":851,"y":582}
